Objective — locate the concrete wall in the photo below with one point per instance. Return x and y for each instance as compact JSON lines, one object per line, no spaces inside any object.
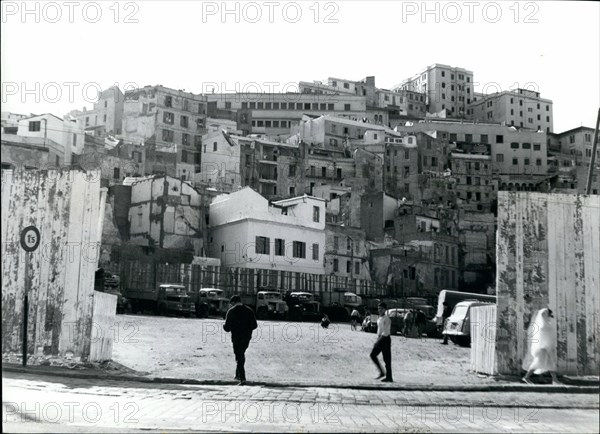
{"x":67,"y":209}
{"x":548,"y":255}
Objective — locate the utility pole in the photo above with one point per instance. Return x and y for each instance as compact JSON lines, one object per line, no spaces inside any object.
{"x":593,"y":159}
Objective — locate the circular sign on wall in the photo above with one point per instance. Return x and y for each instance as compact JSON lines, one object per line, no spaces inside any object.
{"x":30,"y":238}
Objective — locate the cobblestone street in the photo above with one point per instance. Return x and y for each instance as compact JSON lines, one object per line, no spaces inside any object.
{"x":105,"y":405}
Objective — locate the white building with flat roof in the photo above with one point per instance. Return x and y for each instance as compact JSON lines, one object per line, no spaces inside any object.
{"x":249,"y":232}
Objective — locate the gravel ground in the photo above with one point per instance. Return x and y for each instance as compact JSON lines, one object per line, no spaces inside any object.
{"x":282,"y":351}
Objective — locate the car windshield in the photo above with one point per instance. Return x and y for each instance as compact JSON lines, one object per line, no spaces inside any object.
{"x":272,"y":296}
{"x":460,"y":311}
{"x":175,"y":289}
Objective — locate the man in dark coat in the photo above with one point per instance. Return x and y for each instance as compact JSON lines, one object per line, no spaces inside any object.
{"x":240,"y":321}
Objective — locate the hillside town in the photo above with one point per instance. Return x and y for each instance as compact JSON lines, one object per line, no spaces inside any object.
{"x":340,"y":185}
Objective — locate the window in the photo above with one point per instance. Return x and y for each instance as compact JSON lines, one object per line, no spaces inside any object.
{"x":526,"y":162}
{"x":537,"y":147}
{"x":348,"y":266}
{"x":347,"y":107}
{"x":526,"y":145}
{"x":452,"y":137}
{"x":184,"y":156}
{"x":299,"y":249}
{"x":500,"y":158}
{"x":468,"y":138}
{"x":116,"y":173}
{"x":292,"y":191}
{"x":357,"y":268}
{"x":406,"y":155}
{"x":168,"y":118}
{"x":499,"y":139}
{"x":214,"y":146}
{"x":316,"y":214}
{"x":324,"y":172}
{"x":330,"y":107}
{"x":468,"y":180}
{"x":315,"y":252}
{"x":336,"y":265}
{"x":515,"y":161}
{"x":35,"y":125}
{"x":167,"y":135}
{"x":262,"y":245}
{"x":168,"y":101}
{"x":514,"y":145}
{"x":184,"y":121}
{"x":279,"y":247}
{"x":185,"y":139}
{"x":292,"y":170}
{"x":197,"y":140}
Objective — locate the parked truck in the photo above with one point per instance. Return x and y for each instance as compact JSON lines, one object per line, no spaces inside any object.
{"x":267,"y":304}
{"x":303,"y":307}
{"x":339,"y":304}
{"x":165,"y":298}
{"x":211,"y":301}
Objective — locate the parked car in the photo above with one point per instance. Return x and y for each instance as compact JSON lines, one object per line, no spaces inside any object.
{"x":458,"y":325}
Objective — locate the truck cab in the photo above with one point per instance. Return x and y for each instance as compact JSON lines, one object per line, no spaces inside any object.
{"x":303,"y":307}
{"x":211,"y":301}
{"x":270,"y":303}
{"x":174,"y":298}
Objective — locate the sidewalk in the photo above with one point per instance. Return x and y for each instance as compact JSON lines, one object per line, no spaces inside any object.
{"x":119,"y":405}
{"x":573,"y":385}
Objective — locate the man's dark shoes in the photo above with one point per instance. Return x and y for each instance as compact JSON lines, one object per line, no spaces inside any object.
{"x":387,"y":380}
{"x":380,"y":376}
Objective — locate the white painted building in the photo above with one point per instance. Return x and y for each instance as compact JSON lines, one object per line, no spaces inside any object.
{"x":249,"y":232}
{"x":50,"y":127}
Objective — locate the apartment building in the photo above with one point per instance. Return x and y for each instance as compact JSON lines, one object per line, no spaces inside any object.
{"x":274,"y":114}
{"x":520,"y":108}
{"x":106,"y":116}
{"x":447,"y":89}
{"x":166,"y":213}
{"x":401,"y":162}
{"x":572,"y":152}
{"x":171,"y":122}
{"x":518,"y":157}
{"x":475,"y":184}
{"x":383,"y":105}
{"x":63,"y":135}
{"x":346,"y":253}
{"x":249,"y":232}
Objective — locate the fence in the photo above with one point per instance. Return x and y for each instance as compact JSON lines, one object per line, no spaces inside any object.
{"x":242,"y":280}
{"x":103,"y":321}
{"x":57,"y":277}
{"x":483,"y":339}
{"x":548,"y":255}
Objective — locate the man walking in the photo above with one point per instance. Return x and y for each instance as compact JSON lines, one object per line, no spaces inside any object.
{"x":383,"y":344}
{"x":240,"y":321}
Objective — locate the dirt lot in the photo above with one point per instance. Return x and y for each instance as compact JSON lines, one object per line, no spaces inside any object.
{"x":282,"y":351}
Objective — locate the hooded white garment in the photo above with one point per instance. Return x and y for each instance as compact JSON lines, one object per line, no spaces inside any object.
{"x":541,"y":338}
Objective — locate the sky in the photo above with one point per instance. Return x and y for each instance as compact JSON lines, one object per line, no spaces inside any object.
{"x":57,"y":55}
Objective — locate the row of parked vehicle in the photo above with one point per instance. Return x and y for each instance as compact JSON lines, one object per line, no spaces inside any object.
{"x":457,"y":326}
{"x":301,"y":306}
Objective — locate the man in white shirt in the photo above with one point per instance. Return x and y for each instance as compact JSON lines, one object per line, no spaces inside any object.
{"x":383,"y":344}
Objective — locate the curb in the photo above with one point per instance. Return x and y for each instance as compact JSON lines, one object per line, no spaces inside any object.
{"x":102,"y":375}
